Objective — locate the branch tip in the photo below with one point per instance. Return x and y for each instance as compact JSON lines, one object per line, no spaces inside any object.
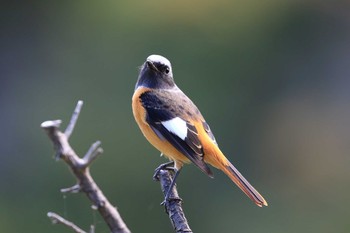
{"x":74,"y":189}
{"x":49,"y":124}
{"x":73,"y":121}
{"x":57,"y":219}
{"x":94,"y":151}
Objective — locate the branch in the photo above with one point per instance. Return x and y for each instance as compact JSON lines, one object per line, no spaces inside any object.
{"x":56,"y":219}
{"x":80,"y":168}
{"x":74,"y":119}
{"x":173,"y":207}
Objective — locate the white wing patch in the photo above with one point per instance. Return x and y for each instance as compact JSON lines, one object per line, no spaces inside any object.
{"x":177,"y":126}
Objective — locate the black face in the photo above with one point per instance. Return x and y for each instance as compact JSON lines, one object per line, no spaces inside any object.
{"x":162,"y":68}
{"x":155,"y":75}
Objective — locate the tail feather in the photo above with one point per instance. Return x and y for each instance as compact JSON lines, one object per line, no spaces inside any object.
{"x":243,"y":184}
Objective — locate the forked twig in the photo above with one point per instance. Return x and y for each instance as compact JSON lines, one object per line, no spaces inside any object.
{"x":80,"y":168}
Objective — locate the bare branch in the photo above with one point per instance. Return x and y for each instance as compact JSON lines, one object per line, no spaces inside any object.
{"x":80,"y":168}
{"x":74,"y":189}
{"x":173,"y":207}
{"x":94,"y":151}
{"x":49,"y":124}
{"x":73,"y":121}
{"x":56,"y":219}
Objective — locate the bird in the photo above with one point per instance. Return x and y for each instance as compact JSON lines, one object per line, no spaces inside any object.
{"x":173,"y":124}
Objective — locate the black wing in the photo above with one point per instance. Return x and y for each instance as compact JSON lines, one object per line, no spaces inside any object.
{"x":159,"y":109}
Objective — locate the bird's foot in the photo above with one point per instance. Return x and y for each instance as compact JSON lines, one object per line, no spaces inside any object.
{"x":164,"y":166}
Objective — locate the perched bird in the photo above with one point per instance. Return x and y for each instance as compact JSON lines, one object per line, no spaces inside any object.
{"x":172,"y":123}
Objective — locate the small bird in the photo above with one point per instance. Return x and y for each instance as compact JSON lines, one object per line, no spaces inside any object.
{"x":172,"y":123}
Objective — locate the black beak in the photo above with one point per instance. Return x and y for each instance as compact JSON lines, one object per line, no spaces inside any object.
{"x":151,"y":66}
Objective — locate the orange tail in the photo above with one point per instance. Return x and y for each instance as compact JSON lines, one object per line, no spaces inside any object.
{"x":243,"y":184}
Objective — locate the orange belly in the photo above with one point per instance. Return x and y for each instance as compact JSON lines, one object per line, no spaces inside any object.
{"x":162,"y":145}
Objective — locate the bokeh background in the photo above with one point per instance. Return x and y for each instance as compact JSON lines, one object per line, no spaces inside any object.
{"x":271,"y":77}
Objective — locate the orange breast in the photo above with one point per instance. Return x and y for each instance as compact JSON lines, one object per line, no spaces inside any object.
{"x":162,"y":145}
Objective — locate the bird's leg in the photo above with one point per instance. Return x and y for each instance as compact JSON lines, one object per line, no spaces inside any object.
{"x":168,"y":193}
{"x":167,"y":166}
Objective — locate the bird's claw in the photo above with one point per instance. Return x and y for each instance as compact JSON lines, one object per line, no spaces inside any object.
{"x":165,"y":166}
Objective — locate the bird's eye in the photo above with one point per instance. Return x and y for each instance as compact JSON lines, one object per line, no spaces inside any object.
{"x":167,"y":70}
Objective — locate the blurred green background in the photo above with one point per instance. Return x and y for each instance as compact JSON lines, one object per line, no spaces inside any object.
{"x":271,"y":77}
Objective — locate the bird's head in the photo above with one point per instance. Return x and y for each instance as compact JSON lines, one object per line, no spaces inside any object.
{"x":156,"y":72}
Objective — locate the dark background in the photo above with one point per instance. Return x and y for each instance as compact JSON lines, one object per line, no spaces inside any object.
{"x":271,"y":78}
